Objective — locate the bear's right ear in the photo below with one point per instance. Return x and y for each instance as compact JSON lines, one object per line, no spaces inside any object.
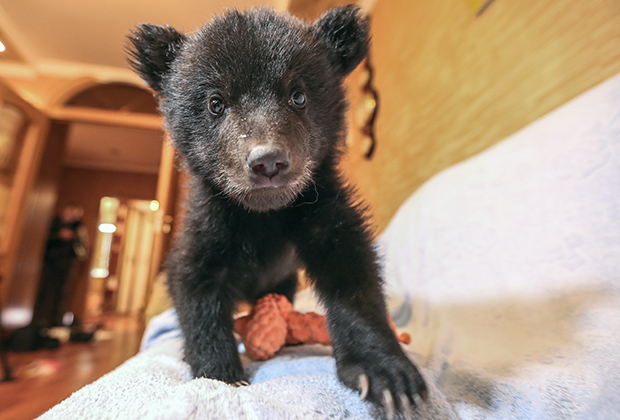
{"x":153,"y":49}
{"x":344,"y":31}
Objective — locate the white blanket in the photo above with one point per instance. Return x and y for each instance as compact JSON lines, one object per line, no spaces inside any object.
{"x":505,"y":269}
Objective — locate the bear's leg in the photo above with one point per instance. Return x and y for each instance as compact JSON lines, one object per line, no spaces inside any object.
{"x":205,"y":316}
{"x":340,"y":259}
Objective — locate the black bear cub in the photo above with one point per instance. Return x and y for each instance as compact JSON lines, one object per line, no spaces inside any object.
{"x":254,"y":103}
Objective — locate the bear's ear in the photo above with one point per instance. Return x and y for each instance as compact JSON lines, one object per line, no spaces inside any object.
{"x":153,"y":49}
{"x":344,"y":31}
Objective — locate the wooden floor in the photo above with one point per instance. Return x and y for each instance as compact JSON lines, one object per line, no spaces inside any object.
{"x":30,"y":395}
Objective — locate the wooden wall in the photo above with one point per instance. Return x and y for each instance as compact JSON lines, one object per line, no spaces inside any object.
{"x":452,"y":84}
{"x":311,"y":9}
{"x":40,"y":204}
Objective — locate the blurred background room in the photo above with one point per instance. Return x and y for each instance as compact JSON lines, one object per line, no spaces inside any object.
{"x":87,"y":175}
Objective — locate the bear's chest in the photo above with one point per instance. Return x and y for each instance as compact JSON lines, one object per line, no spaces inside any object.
{"x":279,"y":267}
{"x":263,"y":253}
{"x":262,"y":268}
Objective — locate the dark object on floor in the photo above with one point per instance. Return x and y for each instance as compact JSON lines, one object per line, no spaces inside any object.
{"x":31,"y":338}
{"x":81,"y":336}
{"x":84,"y":333}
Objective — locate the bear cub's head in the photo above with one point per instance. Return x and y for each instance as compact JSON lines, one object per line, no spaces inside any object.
{"x":254,"y":101}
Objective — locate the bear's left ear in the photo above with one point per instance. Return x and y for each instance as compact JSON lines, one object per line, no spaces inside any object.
{"x":344,"y":31}
{"x":151,"y":53}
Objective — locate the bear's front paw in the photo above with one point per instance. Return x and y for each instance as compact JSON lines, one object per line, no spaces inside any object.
{"x":225,"y":369}
{"x":389,"y":381}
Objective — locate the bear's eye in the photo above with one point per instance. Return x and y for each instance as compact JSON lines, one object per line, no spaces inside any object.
{"x":216,"y":105}
{"x":298,"y":99}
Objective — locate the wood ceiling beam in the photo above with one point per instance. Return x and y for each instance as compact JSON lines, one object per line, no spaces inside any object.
{"x":115,"y":118}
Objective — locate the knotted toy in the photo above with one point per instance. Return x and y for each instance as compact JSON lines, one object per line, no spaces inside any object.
{"x":273,"y":323}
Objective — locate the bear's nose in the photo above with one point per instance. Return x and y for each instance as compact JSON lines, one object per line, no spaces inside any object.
{"x":267,"y":161}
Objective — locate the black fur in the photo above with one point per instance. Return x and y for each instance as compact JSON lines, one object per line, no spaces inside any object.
{"x":254,"y":103}
{"x":154,"y":49}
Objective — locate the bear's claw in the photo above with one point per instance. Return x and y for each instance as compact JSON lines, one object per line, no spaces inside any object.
{"x":239,"y":384}
{"x":363,"y":386}
{"x":388,"y":404}
{"x":392,"y":384}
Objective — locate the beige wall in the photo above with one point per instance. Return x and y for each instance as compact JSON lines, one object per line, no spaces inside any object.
{"x":452,"y":84}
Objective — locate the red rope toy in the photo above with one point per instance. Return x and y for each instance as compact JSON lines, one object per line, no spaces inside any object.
{"x":273,"y":323}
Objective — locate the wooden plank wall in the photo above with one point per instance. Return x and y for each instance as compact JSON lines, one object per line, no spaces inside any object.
{"x":452,"y":84}
{"x":37,"y":216}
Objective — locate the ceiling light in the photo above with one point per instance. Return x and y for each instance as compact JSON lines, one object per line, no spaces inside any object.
{"x":2,"y":47}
